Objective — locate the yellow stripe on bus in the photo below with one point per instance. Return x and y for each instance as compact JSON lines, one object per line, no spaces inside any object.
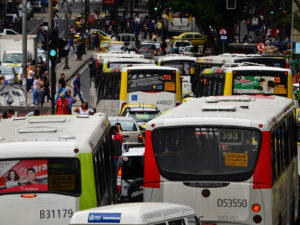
{"x":228,"y":84}
{"x":290,"y":86}
{"x":178,"y":88}
{"x":123,"y":88}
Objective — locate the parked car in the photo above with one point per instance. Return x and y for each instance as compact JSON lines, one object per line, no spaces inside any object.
{"x":193,"y":37}
{"x":130,"y":178}
{"x":179,"y":45}
{"x":132,"y":135}
{"x":9,"y":31}
{"x":11,"y":21}
{"x":29,"y":10}
{"x":9,"y":73}
{"x":150,"y":50}
{"x":37,"y":6}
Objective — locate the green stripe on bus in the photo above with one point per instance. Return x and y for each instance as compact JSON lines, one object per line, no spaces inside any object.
{"x":88,"y":198}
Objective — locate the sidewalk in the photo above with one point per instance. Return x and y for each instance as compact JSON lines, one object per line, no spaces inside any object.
{"x":74,"y":66}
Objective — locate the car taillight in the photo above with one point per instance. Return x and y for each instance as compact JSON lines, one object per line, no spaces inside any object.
{"x":119,"y":179}
{"x":138,"y":52}
{"x":140,"y":138}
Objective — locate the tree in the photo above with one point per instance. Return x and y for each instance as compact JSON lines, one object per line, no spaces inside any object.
{"x":212,"y":15}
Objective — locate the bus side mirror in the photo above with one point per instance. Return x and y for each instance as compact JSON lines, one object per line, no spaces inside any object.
{"x":117,"y":147}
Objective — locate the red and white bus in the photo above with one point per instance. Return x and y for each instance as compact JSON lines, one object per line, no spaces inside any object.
{"x":231,"y":158}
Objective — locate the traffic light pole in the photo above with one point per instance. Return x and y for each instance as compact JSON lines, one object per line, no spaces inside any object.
{"x":24,"y":48}
{"x":66,"y":31}
{"x":53,"y":84}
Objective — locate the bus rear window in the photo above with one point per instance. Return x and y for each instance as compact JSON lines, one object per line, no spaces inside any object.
{"x":210,"y":153}
{"x":151,"y":80}
{"x":60,"y":175}
{"x":260,"y":82}
{"x":184,"y":67}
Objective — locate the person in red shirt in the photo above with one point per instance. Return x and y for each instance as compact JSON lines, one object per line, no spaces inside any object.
{"x":62,"y":105}
{"x":117,"y":136}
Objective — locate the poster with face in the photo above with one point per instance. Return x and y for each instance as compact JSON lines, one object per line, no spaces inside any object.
{"x":23,"y":176}
{"x":12,"y":95}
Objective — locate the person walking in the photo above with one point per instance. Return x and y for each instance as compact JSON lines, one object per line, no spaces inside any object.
{"x":76,"y":88}
{"x":71,"y":100}
{"x":62,"y":105}
{"x":71,"y":42}
{"x":61,"y":86}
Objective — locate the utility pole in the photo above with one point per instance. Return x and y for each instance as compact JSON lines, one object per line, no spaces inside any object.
{"x":52,"y":75}
{"x":291,"y":38}
{"x":24,"y":48}
{"x":66,"y":31}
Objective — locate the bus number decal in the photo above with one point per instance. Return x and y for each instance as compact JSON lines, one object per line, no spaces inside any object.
{"x":232,"y":203}
{"x":164,"y":102}
{"x":52,"y":213}
{"x":277,"y":79}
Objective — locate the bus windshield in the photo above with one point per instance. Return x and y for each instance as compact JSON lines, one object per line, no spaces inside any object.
{"x":211,"y":153}
{"x":151,"y":80}
{"x":260,"y":82}
{"x":40,"y":175}
{"x":184,"y":67}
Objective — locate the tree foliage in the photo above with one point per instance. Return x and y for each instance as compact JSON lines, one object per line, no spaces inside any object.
{"x":211,"y":15}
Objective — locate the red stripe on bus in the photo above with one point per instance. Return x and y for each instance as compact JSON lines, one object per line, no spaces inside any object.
{"x":262,"y":176}
{"x":151,"y":173}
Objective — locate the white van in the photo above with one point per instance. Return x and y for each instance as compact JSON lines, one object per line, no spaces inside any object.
{"x":154,"y":213}
{"x":128,"y":39}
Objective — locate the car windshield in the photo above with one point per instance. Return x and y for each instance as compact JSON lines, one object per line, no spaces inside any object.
{"x":115,"y":47}
{"x":143,"y":116}
{"x":182,"y":44}
{"x":126,"y":125}
{"x":12,"y":58}
{"x":5,"y":71}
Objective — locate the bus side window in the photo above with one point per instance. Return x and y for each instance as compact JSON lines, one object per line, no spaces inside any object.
{"x":177,"y":222}
{"x":99,"y":173}
{"x":193,"y":221}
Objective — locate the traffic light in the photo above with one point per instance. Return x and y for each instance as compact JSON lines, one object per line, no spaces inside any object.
{"x":53,"y":44}
{"x":272,"y":12}
{"x":155,"y":8}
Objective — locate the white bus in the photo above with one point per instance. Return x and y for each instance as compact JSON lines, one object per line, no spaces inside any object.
{"x":231,"y":158}
{"x":138,"y":84}
{"x":111,"y":63}
{"x":218,"y":60}
{"x":53,"y":166}
{"x":186,"y":67}
{"x":138,"y":214}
